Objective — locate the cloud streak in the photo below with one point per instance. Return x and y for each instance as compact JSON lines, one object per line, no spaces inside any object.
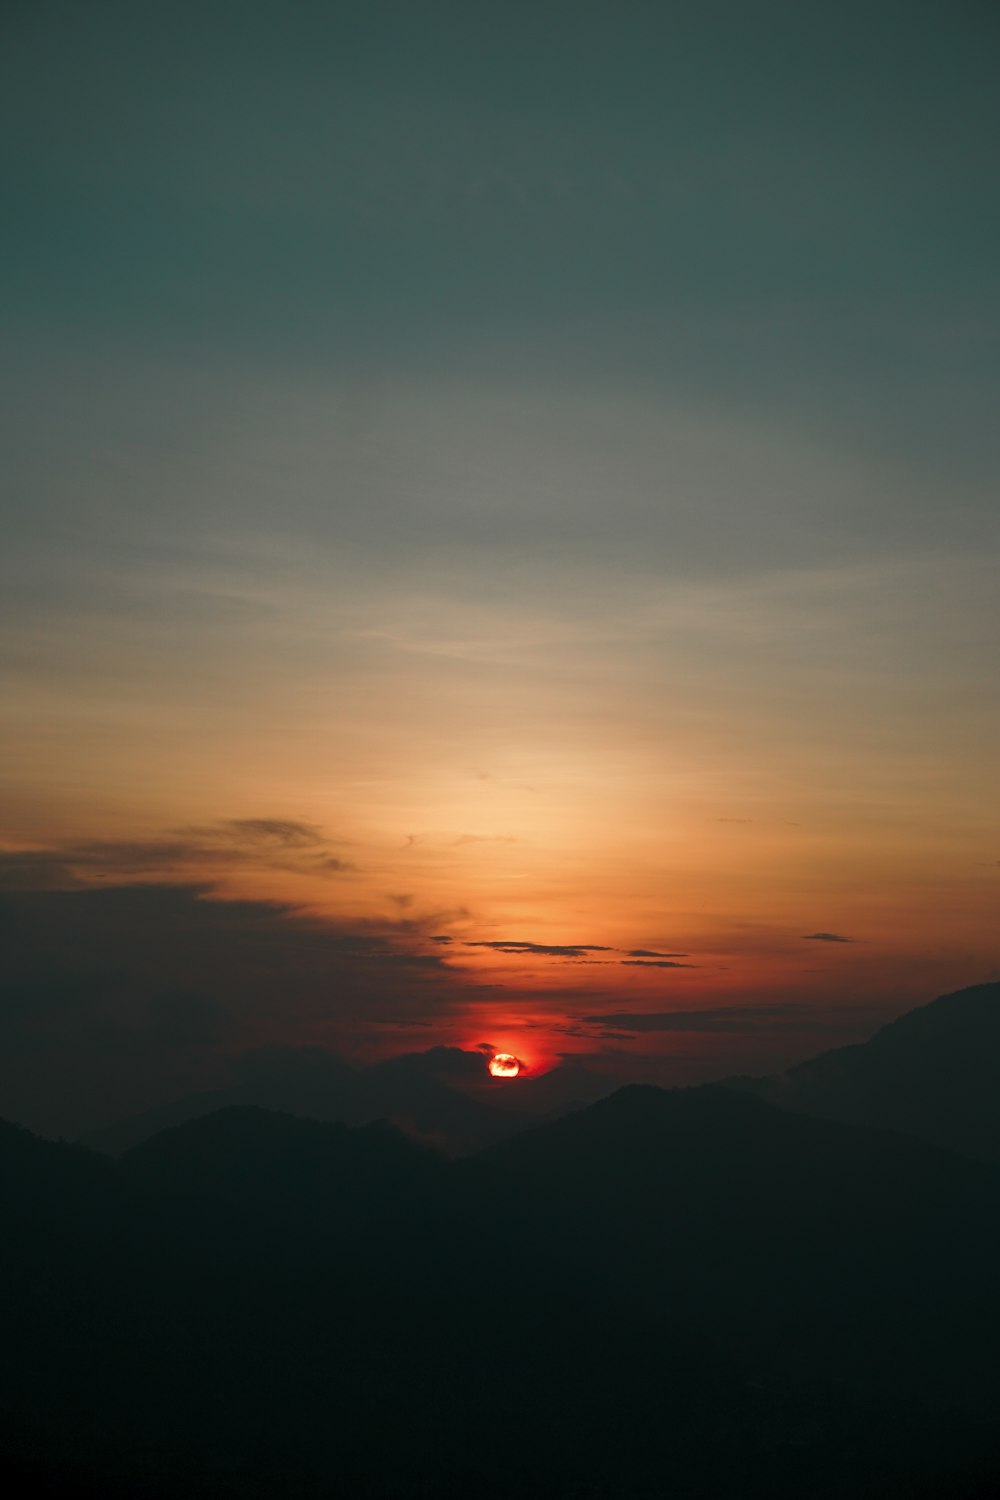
{"x":548,"y":950}
{"x":652,"y":953}
{"x":656,"y":963}
{"x":231,"y":843}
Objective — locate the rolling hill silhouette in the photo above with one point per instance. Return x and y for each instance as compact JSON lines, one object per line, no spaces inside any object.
{"x":932,"y":1073}
{"x":173,"y":1362}
{"x":410,"y":1092}
{"x":690,"y":1290}
{"x":801,"y":1244}
{"x":250,"y":1183}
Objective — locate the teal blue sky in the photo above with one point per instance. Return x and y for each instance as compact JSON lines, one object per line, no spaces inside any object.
{"x":785,"y":211}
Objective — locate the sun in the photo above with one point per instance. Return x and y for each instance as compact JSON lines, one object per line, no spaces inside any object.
{"x":504,"y":1065}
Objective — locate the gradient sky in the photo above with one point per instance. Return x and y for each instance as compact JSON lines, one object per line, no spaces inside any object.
{"x":515,"y":475}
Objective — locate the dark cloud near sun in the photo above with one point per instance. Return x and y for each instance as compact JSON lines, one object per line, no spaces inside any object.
{"x":115,"y":997}
{"x":549,"y":950}
{"x":270,"y":843}
{"x":455,"y":1063}
{"x":284,"y":833}
{"x":826,"y":937}
{"x":652,"y":953}
{"x":36,"y":870}
{"x":412,"y":960}
{"x":576,"y":953}
{"x":655,"y":963}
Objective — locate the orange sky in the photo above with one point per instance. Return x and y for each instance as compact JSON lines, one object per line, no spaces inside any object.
{"x":714,"y":772}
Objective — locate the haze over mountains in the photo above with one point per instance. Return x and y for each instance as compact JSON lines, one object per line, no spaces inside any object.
{"x":443,"y":1097}
{"x":930,"y":1073}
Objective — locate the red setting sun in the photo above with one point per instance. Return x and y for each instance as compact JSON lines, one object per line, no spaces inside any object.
{"x":504,"y":1065}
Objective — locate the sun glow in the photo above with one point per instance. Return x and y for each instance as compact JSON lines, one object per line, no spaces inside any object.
{"x":504,"y":1065}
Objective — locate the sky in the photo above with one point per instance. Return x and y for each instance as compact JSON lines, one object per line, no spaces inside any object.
{"x":500,"y":530}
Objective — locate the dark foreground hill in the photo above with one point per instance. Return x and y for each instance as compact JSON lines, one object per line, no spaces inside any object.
{"x":686,"y":1293}
{"x":806,"y":1247}
{"x":247,"y":1183}
{"x":933,"y":1073}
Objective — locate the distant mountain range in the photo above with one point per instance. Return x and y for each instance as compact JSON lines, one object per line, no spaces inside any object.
{"x":442,"y":1097}
{"x":933,"y":1073}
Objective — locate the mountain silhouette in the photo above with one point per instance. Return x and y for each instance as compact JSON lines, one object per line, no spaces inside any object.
{"x":54,"y":1188}
{"x":689,"y":1292}
{"x":692,"y":1291}
{"x":410,"y":1092}
{"x":931,"y":1073}
{"x":252,"y":1182}
{"x":802,"y":1245}
{"x":173,"y":1363}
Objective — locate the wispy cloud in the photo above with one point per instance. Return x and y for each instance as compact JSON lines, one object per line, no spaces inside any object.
{"x":638,"y":958}
{"x":550,"y":950}
{"x":269,"y":843}
{"x":652,"y":953}
{"x":656,"y":963}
